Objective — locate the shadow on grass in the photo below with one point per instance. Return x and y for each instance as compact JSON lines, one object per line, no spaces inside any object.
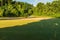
{"x":42,"y":30}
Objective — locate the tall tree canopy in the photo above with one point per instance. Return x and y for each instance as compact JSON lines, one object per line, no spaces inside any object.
{"x":12,"y":8}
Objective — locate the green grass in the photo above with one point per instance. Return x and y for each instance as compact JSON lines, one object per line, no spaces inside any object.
{"x":9,"y":23}
{"x":41,"y":30}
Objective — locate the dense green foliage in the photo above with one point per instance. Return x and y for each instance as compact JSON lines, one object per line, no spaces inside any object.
{"x":20,"y":9}
{"x":48,"y":9}
{"x":15,"y":9}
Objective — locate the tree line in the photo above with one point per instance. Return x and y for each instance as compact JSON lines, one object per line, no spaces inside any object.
{"x":12,"y":8}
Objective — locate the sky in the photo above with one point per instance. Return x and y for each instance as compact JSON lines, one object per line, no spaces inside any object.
{"x":34,"y":2}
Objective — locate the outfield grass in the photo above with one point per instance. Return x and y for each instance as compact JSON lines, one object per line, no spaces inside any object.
{"x":40,"y":30}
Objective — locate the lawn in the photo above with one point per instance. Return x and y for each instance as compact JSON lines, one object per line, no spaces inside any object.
{"x":48,"y":29}
{"x":13,"y":22}
{"x":8,"y":22}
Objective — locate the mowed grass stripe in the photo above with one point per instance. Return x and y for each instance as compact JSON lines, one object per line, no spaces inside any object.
{"x":9,"y":23}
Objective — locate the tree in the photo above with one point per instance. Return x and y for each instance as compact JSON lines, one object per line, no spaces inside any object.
{"x":1,"y":12}
{"x":40,"y":7}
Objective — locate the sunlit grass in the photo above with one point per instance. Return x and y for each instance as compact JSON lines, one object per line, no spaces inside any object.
{"x":7,"y":23}
{"x":14,"y":22}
